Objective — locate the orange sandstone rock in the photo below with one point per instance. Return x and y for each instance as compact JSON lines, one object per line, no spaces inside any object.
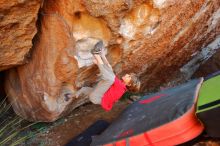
{"x":17,"y":29}
{"x":152,"y":38}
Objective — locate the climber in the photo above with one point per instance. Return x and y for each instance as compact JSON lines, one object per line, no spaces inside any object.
{"x":110,"y":89}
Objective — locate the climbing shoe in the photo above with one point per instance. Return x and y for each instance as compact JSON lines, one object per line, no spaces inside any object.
{"x":97,"y":48}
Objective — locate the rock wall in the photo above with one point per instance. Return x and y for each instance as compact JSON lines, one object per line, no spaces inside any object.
{"x":211,"y":66}
{"x":17,"y":29}
{"x":205,"y":56}
{"x":152,"y":38}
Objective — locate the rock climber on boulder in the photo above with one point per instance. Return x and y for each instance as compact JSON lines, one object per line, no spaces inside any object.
{"x":110,"y":88}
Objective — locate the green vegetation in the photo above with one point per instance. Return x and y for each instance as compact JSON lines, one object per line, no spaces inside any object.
{"x":13,"y":129}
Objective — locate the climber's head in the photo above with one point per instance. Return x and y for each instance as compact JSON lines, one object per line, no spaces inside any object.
{"x":132,"y":82}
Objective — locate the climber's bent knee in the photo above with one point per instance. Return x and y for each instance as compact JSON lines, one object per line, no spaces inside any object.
{"x":95,"y":100}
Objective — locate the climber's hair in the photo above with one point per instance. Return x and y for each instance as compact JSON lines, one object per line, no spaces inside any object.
{"x":135,"y":84}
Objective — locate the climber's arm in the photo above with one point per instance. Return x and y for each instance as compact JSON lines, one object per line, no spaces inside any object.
{"x":105,"y":60}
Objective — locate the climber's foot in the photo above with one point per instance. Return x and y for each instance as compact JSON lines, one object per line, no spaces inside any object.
{"x":97,"y":48}
{"x":67,"y":96}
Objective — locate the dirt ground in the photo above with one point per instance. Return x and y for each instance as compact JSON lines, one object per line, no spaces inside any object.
{"x":75,"y":123}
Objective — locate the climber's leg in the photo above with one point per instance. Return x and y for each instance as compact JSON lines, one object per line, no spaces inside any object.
{"x":84,"y":91}
{"x":107,"y":80}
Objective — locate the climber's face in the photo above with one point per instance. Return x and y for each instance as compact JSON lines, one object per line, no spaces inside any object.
{"x":127,"y":79}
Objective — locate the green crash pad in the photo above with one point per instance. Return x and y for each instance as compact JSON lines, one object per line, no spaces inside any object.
{"x":209,"y":94}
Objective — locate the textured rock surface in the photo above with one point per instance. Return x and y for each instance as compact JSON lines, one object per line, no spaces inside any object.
{"x":209,"y":67}
{"x":37,"y":90}
{"x":200,"y":58}
{"x":184,"y":27}
{"x":152,"y":38}
{"x":17,"y":29}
